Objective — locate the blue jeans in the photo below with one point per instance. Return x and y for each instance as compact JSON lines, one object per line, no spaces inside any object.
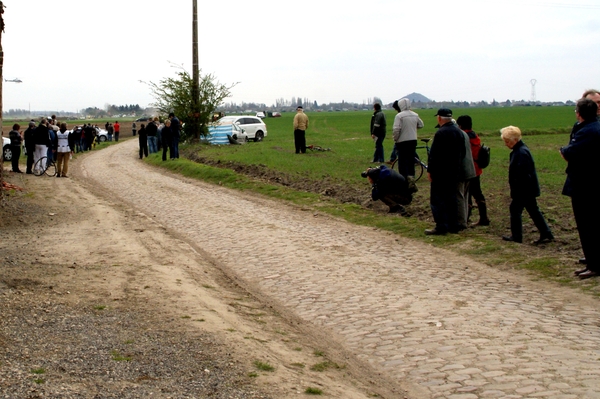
{"x":378,"y":156}
{"x":175,"y":147}
{"x":152,"y":144}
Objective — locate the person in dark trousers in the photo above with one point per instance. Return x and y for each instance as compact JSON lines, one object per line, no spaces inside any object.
{"x":175,"y":135}
{"x":524,"y":188}
{"x":143,"y":141}
{"x":165,"y":135}
{"x":583,"y":170}
{"x":15,"y":145}
{"x":390,"y":187}
{"x":466,"y":124}
{"x":134,"y":128}
{"x":444,"y":171}
{"x":300,"y":126}
{"x":378,"y":126}
{"x":29,"y":137}
{"x":117,"y":130}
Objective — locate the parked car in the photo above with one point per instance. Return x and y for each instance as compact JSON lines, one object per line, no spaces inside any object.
{"x":260,"y":115}
{"x":254,"y":127}
{"x":101,"y":135}
{"x":6,"y":149}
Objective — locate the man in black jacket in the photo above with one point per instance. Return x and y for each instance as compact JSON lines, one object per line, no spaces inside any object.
{"x":583,"y":169}
{"x":524,"y":188}
{"x":378,"y":125}
{"x":29,"y":138}
{"x":444,"y":170}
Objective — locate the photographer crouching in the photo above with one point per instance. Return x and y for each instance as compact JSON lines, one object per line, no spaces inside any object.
{"x":390,"y":187}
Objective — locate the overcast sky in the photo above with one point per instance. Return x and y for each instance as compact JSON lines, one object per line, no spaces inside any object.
{"x":76,"y":54}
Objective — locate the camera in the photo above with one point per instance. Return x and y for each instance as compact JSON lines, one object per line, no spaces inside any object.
{"x":370,"y":172}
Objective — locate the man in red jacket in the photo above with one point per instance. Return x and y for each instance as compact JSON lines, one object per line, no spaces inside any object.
{"x":117,"y":130}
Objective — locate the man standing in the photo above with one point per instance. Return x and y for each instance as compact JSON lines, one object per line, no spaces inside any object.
{"x":117,"y":130}
{"x":300,"y":126}
{"x":378,"y":126}
{"x":445,"y":157}
{"x":582,"y":170}
{"x":133,"y":128}
{"x":29,"y":138}
{"x":404,"y":130}
{"x":175,"y":135}
{"x":465,"y":123}
{"x":42,"y":142}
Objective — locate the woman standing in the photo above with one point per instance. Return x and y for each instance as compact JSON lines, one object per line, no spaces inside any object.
{"x":524,"y":188}
{"x":166,"y":137}
{"x":15,"y":145}
{"x":65,"y":143}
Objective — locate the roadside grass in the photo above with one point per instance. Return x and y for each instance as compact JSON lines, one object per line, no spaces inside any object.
{"x":545,"y":128}
{"x":264,"y":366}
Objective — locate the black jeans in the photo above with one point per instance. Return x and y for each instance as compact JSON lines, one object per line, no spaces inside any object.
{"x":16,"y":153}
{"x":587,"y":218}
{"x":516,"y":223}
{"x":444,"y":205}
{"x":30,"y":152}
{"x":300,"y":141}
{"x":405,"y":151}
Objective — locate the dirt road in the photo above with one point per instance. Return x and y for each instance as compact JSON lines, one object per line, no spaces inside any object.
{"x":426,"y":321}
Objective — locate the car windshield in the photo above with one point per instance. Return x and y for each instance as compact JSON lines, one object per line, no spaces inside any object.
{"x":227,"y":119}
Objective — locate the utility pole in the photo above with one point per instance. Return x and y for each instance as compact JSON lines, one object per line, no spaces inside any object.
{"x":1,"y":88}
{"x":195,"y":74}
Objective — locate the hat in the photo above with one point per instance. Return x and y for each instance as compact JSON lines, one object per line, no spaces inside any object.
{"x":299,"y":107}
{"x":444,"y":112}
{"x":31,"y":124}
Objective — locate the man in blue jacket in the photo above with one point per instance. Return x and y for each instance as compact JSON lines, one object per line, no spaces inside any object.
{"x":390,"y":187}
{"x":582,"y":171}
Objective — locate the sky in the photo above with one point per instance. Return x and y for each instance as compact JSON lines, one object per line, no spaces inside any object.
{"x":72,"y":55}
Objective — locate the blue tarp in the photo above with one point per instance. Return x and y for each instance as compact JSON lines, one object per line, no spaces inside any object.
{"x":218,"y":134}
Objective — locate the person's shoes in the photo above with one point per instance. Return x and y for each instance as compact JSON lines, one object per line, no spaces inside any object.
{"x":412,"y":184}
{"x":65,"y":176}
{"x":578,"y":272}
{"x":434,"y":232}
{"x":587,"y":274}
{"x":396,"y":209}
{"x":58,"y":175}
{"x":481,"y":223}
{"x":511,"y":239}
{"x":544,"y":240}
{"x":582,"y":261}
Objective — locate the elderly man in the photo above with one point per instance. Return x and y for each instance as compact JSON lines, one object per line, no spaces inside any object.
{"x":582,"y":170}
{"x":300,"y":126}
{"x":444,"y":172}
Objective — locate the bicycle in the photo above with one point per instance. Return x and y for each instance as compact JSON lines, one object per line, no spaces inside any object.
{"x":44,"y":166}
{"x":317,"y":148}
{"x":420,"y":166}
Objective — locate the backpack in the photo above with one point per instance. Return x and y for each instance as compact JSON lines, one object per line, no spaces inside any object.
{"x":483,"y":159}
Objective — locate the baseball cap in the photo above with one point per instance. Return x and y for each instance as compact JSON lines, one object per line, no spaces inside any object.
{"x":444,"y":112}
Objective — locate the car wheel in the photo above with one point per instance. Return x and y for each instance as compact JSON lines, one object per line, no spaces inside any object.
{"x":102,"y":139}
{"x":259,"y":136}
{"x":7,"y":153}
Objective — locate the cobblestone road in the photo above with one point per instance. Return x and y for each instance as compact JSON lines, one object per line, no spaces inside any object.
{"x":456,"y":328}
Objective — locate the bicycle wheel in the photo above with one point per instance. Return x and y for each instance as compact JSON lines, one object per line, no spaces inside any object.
{"x":51,"y":169}
{"x":39,"y":167}
{"x":395,"y":165}
{"x":418,"y":169}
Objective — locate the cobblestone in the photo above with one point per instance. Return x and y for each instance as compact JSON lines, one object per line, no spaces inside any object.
{"x":393,"y":301}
